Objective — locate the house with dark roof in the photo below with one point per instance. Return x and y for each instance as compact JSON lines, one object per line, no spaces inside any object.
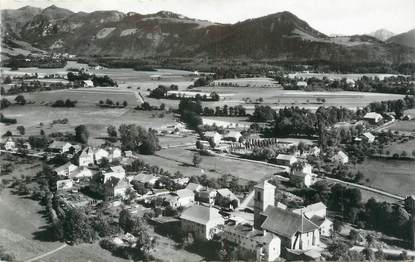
{"x":225,"y":198}
{"x":295,"y":230}
{"x":201,"y":221}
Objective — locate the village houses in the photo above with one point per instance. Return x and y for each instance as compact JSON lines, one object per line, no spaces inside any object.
{"x":286,"y":160}
{"x":213,"y":136}
{"x":373,"y":117}
{"x":59,"y":147}
{"x":340,"y":158}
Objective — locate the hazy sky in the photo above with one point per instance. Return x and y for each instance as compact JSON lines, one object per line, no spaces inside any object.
{"x":327,"y":16}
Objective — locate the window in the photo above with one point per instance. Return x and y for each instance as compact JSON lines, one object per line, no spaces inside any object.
{"x":258,"y":196}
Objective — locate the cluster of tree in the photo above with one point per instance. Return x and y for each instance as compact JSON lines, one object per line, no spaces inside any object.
{"x":40,"y":141}
{"x":103,"y":81}
{"x":97,"y":80}
{"x":147,"y":107}
{"x":109,"y":103}
{"x":4,"y":103}
{"x":190,"y":112}
{"x":299,"y":121}
{"x":393,"y":85}
{"x":34,"y":86}
{"x":78,"y":76}
{"x":137,"y":139}
{"x":396,"y":106}
{"x":66,"y":103}
{"x":20,"y":100}
{"x":224,"y":111}
{"x":81,"y":134}
{"x":7,"y":120}
{"x":161,"y":91}
{"x":380,"y":216}
{"x":18,"y":61}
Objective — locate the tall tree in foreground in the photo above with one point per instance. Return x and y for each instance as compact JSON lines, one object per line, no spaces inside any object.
{"x":81,"y":134}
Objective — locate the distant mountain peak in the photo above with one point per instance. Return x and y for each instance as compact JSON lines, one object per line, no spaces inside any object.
{"x":382,"y":34}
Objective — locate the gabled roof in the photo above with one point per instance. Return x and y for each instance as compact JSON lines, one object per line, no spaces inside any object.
{"x":201,"y":214}
{"x":58,"y":144}
{"x":86,"y":151}
{"x":210,"y":133}
{"x":311,"y":208}
{"x":372,"y":115}
{"x":233,"y":134}
{"x":342,"y":154}
{"x":369,"y":135}
{"x":64,"y":167}
{"x":117,"y":169}
{"x":285,"y":157}
{"x":194,"y":187}
{"x":182,"y":193}
{"x":225,"y":192}
{"x":145,"y":178}
{"x":286,"y":223}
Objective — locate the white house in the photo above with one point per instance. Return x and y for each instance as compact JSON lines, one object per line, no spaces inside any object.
{"x":286,"y":160}
{"x":115,"y":171}
{"x":182,"y":198}
{"x":214,"y":136}
{"x":116,"y":187}
{"x":86,"y":158}
{"x":201,"y":221}
{"x":87,"y":83}
{"x":148,"y":179}
{"x":265,"y":246}
{"x":182,"y":180}
{"x":302,"y":84}
{"x":81,"y":172}
{"x":373,"y":117}
{"x":59,"y":146}
{"x":99,"y":154}
{"x":64,"y":184}
{"x":340,"y":157}
{"x":66,"y":169}
{"x":233,"y":136}
{"x":368,"y":137}
{"x":194,"y":187}
{"x":10,"y":145}
{"x":114,"y":153}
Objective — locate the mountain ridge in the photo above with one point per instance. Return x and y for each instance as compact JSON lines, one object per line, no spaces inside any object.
{"x":281,"y":36}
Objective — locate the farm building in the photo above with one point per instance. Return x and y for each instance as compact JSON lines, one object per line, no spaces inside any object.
{"x":86,"y":158}
{"x":368,"y":137}
{"x":59,"y":147}
{"x":233,"y":136}
{"x":9,"y":144}
{"x":87,"y":83}
{"x":182,"y":198}
{"x":214,"y":136}
{"x":285,"y":160}
{"x":340,"y":157}
{"x":373,"y":117}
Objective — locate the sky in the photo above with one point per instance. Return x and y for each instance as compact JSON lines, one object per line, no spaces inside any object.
{"x":345,"y":17}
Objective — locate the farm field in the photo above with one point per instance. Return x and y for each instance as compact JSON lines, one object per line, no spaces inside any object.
{"x":84,"y":96}
{"x":173,"y":158}
{"x":96,"y":119}
{"x":279,"y":98}
{"x":394,"y":176}
{"x":404,"y":126}
{"x":398,"y":148}
{"x":338,"y":76}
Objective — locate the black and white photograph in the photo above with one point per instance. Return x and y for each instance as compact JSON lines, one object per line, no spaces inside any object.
{"x":207,"y":130}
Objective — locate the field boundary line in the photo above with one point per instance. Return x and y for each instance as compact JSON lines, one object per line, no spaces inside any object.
{"x":47,"y":253}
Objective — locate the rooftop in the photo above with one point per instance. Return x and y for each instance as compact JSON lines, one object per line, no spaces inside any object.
{"x":201,"y":214}
{"x":286,"y":223}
